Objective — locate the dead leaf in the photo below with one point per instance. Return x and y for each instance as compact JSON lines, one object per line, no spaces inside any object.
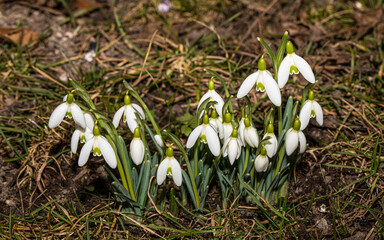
{"x":81,"y":4}
{"x":18,"y":35}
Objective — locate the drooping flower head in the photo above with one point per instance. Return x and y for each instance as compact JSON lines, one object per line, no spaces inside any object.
{"x":249,"y":134}
{"x":294,"y":138}
{"x":68,"y":108}
{"x":169,"y":167}
{"x":227,"y":127}
{"x":214,"y":97}
{"x":137,"y":148}
{"x":100,"y":146}
{"x":216,"y":122}
{"x":271,"y":144}
{"x":128,"y":113}
{"x":207,"y":134}
{"x":264,"y":82}
{"x":232,"y":147}
{"x":310,"y":109}
{"x":293,"y":64}
{"x":82,"y":134}
{"x":262,"y":161}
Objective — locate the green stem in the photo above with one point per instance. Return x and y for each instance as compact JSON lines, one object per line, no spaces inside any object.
{"x":280,"y":113}
{"x":281,"y":156}
{"x":246,"y":160}
{"x":196,"y":157}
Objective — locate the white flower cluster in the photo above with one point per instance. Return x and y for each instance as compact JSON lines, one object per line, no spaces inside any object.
{"x":222,"y":127}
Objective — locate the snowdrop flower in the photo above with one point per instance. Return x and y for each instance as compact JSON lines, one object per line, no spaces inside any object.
{"x":68,"y":108}
{"x":241,"y":129}
{"x":293,"y":64}
{"x":310,"y":109}
{"x":294,"y":137}
{"x":262,"y":161}
{"x":159,"y":140}
{"x":249,"y":134}
{"x":207,"y":134}
{"x":216,"y":122}
{"x":164,"y":6}
{"x":227,"y":127}
{"x":82,"y":134}
{"x":128,"y":113}
{"x":137,"y":147}
{"x":264,"y":82}
{"x":271,"y":144}
{"x":99,"y":145}
{"x":214,"y":97}
{"x":232,"y":147}
{"x":169,"y":167}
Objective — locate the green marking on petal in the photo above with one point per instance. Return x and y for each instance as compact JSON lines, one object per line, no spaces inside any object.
{"x":203,"y":138}
{"x":260,"y":87}
{"x":169,"y":171}
{"x":96,"y":152}
{"x":293,"y":70}
{"x":68,"y":115}
{"x":313,"y":114}
{"x":124,"y":118}
{"x":82,"y":138}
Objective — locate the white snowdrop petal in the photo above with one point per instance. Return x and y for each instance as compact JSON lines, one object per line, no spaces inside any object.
{"x":85,"y":151}
{"x":303,"y":142}
{"x":305,"y":114}
{"x":139,"y":110}
{"x":75,"y":140}
{"x":271,"y":145}
{"x":137,"y":150}
{"x":283,"y":73}
{"x":130,"y":118}
{"x":318,"y":112}
{"x":107,"y":151}
{"x":261,"y":163}
{"x":65,"y":98}
{"x":88,"y":134}
{"x":232,"y":150}
{"x":225,"y":147}
{"x":241,"y":132}
{"x":159,"y":140}
{"x":304,"y":68}
{"x":58,"y":115}
{"x":162,"y":171}
{"x":195,"y":134}
{"x":202,"y":99}
{"x":248,"y":84}
{"x":251,"y":137}
{"x":291,"y":141}
{"x":272,"y":89}
{"x":227,"y":130}
{"x":176,"y":172}
{"x":220,"y":102}
{"x":89,"y":122}
{"x":77,"y":114}
{"x":213,"y":141}
{"x":117,"y":116}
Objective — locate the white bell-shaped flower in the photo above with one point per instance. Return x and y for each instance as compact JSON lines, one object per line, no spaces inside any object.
{"x":232,"y":147}
{"x":214,"y":96}
{"x":264,"y":82}
{"x":169,"y":167}
{"x":271,"y":144}
{"x":137,"y":148}
{"x":241,"y":130}
{"x":207,"y":134}
{"x":128,"y":114}
{"x":159,"y":140}
{"x":262,"y":161}
{"x":249,"y":133}
{"x":100,"y":146}
{"x":310,"y":109}
{"x":294,"y":138}
{"x":216,"y":122}
{"x":227,"y":127}
{"x":68,"y":108}
{"x":293,"y":64}
{"x":82,"y":134}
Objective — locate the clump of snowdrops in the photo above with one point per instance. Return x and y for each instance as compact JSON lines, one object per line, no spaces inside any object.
{"x":245,"y":160}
